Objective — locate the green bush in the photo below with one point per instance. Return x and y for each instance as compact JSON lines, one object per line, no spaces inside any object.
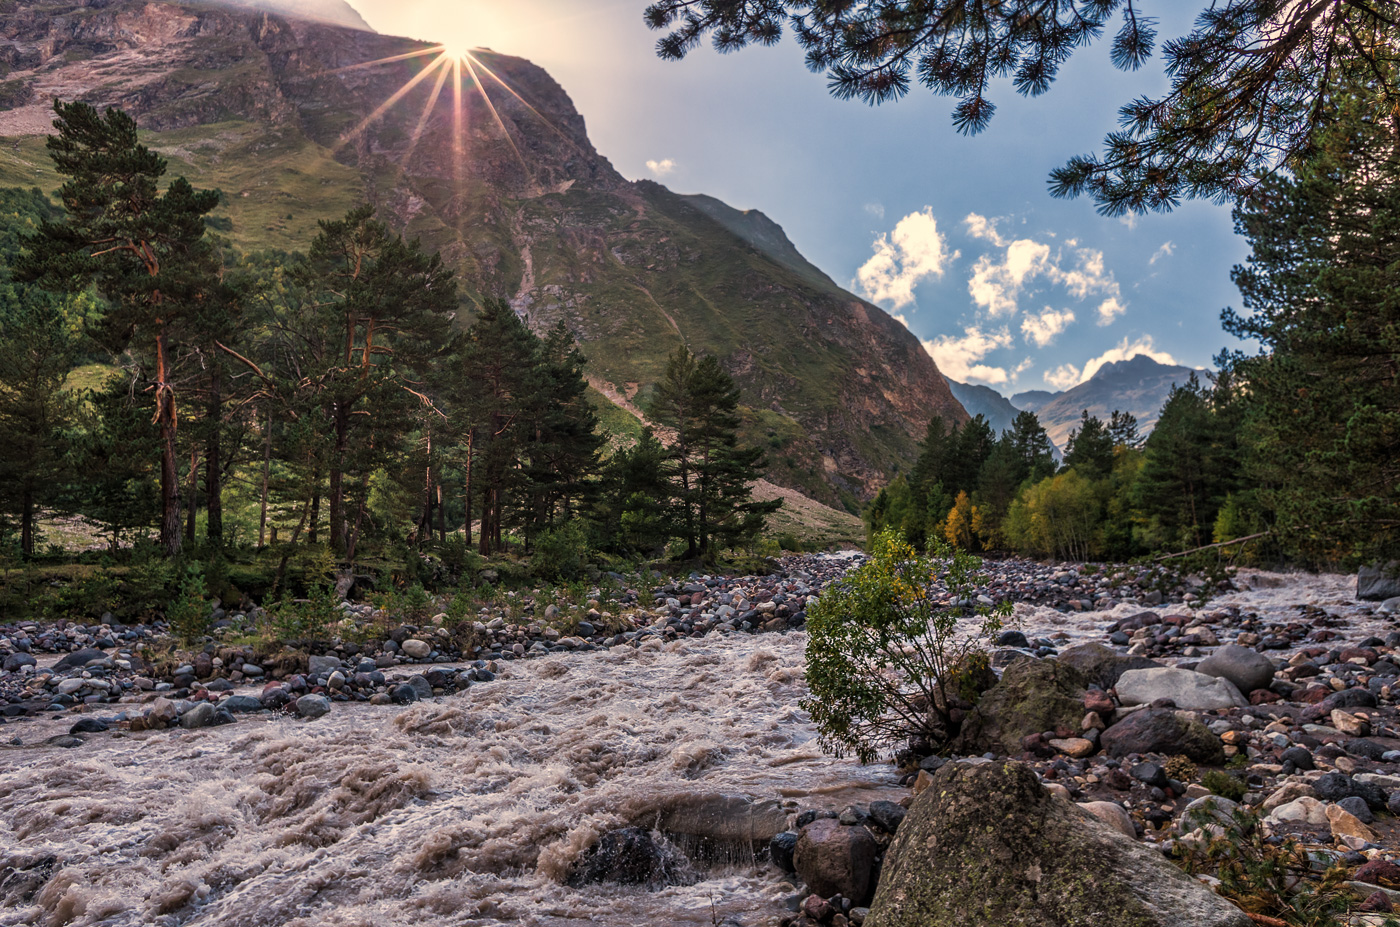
{"x":415,"y":604}
{"x":1225,"y":785}
{"x":188,"y":613}
{"x":561,"y":552}
{"x":303,"y":621}
{"x":885,"y":660}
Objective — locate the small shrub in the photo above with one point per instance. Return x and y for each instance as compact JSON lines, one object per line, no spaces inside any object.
{"x":294,"y":622}
{"x":188,"y":613}
{"x":885,"y":660}
{"x":1181,"y":769}
{"x":1268,"y":878}
{"x":415,"y":604}
{"x":561,"y":552}
{"x":1225,"y":785}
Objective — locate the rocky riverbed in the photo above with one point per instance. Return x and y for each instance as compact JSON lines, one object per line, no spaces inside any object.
{"x":479,"y":782}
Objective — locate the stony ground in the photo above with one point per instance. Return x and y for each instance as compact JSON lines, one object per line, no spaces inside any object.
{"x":1289,"y":694}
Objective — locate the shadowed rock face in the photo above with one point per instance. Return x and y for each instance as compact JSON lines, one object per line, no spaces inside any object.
{"x":987,"y":846}
{"x":519,"y":203}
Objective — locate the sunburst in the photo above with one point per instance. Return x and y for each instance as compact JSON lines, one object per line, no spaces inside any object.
{"x":465,"y":70}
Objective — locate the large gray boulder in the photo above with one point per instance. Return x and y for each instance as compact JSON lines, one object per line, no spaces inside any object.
{"x":1246,"y":669}
{"x":1163,"y":730}
{"x":987,"y":846}
{"x":1189,"y":690}
{"x":1378,"y":581}
{"x":1032,"y":697}
{"x":1101,"y":664}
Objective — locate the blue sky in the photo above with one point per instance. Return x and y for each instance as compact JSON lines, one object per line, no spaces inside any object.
{"x":957,"y":236}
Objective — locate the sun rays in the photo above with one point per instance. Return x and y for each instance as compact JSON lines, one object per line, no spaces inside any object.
{"x":466,"y":72}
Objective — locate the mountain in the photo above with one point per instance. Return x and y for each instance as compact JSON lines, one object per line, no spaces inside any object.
{"x":1139,"y":385}
{"x":296,"y":120}
{"x":335,"y":12}
{"x":1032,"y":400}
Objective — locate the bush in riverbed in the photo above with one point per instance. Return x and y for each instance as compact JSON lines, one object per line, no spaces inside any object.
{"x":887,"y":658}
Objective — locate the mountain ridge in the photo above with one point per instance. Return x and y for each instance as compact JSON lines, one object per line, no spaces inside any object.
{"x":1139,"y":385}
{"x":279,"y":113}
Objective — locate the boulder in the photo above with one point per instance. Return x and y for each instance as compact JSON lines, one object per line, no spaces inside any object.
{"x":988,"y":846}
{"x":631,"y":856}
{"x":1112,"y":814}
{"x":1378,"y":581}
{"x":1032,"y":697}
{"x":1247,"y":669}
{"x":79,"y":658}
{"x":1189,"y":690}
{"x":201,"y":715}
{"x":711,"y":820}
{"x":313,"y":706}
{"x":322,"y":665}
{"x":415,"y":648}
{"x":1102,"y":665}
{"x":1162,"y":730}
{"x":1301,"y":810}
{"x":834,"y":859}
{"x":17,"y":661}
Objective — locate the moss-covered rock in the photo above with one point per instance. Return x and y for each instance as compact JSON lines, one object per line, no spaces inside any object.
{"x":1033,"y":696}
{"x":987,"y":846}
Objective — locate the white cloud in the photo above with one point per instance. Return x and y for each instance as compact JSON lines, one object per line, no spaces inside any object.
{"x":901,"y":319}
{"x":914,"y":251}
{"x":661,"y":168}
{"x":997,"y":281}
{"x":1043,"y":328}
{"x":960,"y":358}
{"x":1110,"y":309}
{"x":995,"y":285}
{"x":876,"y":209}
{"x":1088,"y":275}
{"x":1021,"y":368}
{"x":1062,"y":377}
{"x":984,"y":228}
{"x":1162,"y":252}
{"x":1130,"y":220}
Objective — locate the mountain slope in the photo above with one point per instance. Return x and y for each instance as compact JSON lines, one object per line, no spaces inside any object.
{"x":1139,"y":385}
{"x":334,"y":12}
{"x":284,"y":116}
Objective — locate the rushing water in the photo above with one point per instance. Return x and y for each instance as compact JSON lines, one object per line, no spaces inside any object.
{"x":469,"y":809}
{"x":466,"y":810}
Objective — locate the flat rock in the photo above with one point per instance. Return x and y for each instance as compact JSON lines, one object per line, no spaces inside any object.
{"x":1189,"y":690}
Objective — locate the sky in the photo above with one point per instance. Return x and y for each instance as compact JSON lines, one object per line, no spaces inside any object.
{"x":956,"y":236}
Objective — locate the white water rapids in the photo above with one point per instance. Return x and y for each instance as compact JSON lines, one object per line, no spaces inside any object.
{"x":465,"y":810}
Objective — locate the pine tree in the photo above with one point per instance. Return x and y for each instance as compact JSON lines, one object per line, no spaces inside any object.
{"x":713,"y":473}
{"x":1123,"y":428}
{"x":144,"y":250}
{"x":1032,"y":445}
{"x":1321,"y":398}
{"x":1090,"y":448}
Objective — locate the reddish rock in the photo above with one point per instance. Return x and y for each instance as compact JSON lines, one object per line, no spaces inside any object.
{"x":1377,"y":902}
{"x":1312,"y":694}
{"x":1264,"y":697}
{"x":1099,"y":701}
{"x":1378,"y":872}
{"x":834,"y":859}
{"x":817,"y":908}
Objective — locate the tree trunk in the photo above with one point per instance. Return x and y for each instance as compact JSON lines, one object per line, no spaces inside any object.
{"x":467,"y":489}
{"x":442,"y":513}
{"x":191,"y":510}
{"x":425,"y":521}
{"x":267,"y":471}
{"x":26,"y":520}
{"x":312,"y":535}
{"x":213,"y":458}
{"x":342,"y":434}
{"x":169,"y":462}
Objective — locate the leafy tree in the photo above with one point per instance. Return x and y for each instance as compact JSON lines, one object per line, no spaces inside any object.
{"x":1321,"y":399}
{"x":886,"y":662}
{"x":713,"y":473}
{"x":1058,"y":517}
{"x":1252,"y":86}
{"x":144,"y":250}
{"x":1090,"y":448}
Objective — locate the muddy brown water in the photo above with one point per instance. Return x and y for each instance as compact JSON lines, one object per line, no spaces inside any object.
{"x":465,"y":810}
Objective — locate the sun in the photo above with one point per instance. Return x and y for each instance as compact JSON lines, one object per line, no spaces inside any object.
{"x":456,"y":49}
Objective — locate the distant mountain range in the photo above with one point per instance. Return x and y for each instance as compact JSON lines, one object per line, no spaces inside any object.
{"x":1139,"y":385}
